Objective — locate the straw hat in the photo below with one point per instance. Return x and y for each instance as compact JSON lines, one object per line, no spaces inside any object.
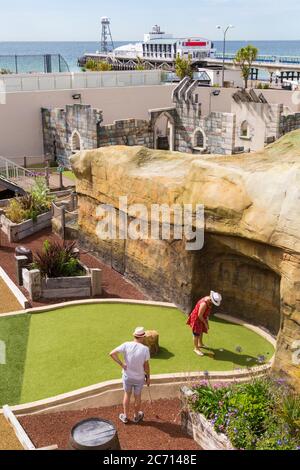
{"x":216,"y":298}
{"x":139,"y":332}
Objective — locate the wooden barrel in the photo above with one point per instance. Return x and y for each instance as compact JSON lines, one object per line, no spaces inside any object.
{"x":94,"y":434}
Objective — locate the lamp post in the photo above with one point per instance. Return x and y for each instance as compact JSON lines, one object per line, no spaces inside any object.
{"x":225,"y":31}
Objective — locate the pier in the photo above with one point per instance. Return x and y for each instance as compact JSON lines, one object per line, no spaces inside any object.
{"x":285,"y":67}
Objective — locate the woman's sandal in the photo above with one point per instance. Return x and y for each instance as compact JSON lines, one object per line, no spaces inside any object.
{"x":198,"y":352}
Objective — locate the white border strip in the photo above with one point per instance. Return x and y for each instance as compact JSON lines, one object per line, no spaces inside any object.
{"x":111,"y":386}
{"x":49,"y":308}
{"x":14,"y":289}
{"x":19,"y":431}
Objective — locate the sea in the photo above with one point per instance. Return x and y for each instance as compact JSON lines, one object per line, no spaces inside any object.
{"x":71,"y":51}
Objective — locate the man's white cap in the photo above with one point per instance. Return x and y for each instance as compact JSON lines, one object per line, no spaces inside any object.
{"x":139,"y":332}
{"x":216,"y":298}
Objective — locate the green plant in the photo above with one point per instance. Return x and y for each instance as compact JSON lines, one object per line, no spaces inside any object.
{"x":290,"y":412}
{"x":244,"y":59}
{"x":262,"y":414}
{"x":58,"y":260}
{"x":183,"y":67}
{"x":97,"y":66}
{"x":36,"y":202}
{"x":5,"y":71}
{"x":15,"y":212}
{"x":263,"y":86}
{"x":140,"y":64}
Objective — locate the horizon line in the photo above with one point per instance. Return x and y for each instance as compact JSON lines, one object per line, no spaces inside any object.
{"x":134,"y":40}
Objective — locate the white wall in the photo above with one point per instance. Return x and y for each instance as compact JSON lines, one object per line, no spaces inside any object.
{"x":20,"y":117}
{"x":233,"y":76}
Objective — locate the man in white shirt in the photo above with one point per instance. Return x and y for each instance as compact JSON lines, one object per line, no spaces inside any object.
{"x":136,"y":370}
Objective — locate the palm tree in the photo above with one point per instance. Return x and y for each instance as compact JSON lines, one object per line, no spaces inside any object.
{"x":183,"y":67}
{"x":244,"y":59}
{"x":140,"y":65}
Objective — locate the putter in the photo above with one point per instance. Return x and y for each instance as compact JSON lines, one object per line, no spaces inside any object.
{"x":151,"y":401}
{"x":150,"y":396}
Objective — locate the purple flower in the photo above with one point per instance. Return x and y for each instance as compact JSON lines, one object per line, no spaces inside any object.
{"x":279,"y":442}
{"x":261,"y":359}
{"x":206,"y":373}
{"x":281,"y":381}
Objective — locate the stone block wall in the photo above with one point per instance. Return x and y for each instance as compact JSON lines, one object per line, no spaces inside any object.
{"x":218,"y":130}
{"x":289,"y":123}
{"x":59,"y":126}
{"x":126,"y":132}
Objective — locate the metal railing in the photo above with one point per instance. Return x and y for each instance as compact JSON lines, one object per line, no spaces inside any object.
{"x":272,"y":59}
{"x":16,"y":173}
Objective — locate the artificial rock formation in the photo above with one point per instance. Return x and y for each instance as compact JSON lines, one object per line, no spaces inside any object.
{"x":252,"y":230}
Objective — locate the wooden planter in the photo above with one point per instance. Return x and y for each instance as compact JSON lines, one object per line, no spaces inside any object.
{"x":199,"y":428}
{"x":16,"y":232}
{"x":89,"y":285}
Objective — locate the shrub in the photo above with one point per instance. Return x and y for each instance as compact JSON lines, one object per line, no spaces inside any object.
{"x":93,"y":65}
{"x":15,"y":212}
{"x":262,"y":414}
{"x":58,"y":260}
{"x":36,"y":202}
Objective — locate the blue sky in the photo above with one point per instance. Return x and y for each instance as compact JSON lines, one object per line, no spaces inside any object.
{"x":79,"y":20}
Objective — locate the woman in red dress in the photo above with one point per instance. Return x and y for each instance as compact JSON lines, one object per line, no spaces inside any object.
{"x":198,"y":319}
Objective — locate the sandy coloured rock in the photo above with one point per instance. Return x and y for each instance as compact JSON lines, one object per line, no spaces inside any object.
{"x":252,"y":230}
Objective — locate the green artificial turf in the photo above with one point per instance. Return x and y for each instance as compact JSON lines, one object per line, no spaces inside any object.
{"x":69,"y":348}
{"x":70,"y":175}
{"x":14,"y":334}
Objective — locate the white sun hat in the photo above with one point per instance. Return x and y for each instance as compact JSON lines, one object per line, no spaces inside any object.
{"x":216,"y":298}
{"x":139,"y":332}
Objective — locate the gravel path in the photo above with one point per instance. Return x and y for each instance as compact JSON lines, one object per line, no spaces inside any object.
{"x":114,"y":285}
{"x":8,"y":440}
{"x":160,"y":430}
{"x":8,"y":302}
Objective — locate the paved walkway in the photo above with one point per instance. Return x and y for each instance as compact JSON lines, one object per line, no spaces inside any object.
{"x":114,"y":285}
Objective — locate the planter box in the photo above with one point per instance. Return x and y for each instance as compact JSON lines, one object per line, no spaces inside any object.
{"x":76,"y":287}
{"x":199,"y":428}
{"x":16,"y":232}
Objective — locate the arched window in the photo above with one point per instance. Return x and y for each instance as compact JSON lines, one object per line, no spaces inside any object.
{"x":76,"y":145}
{"x":245,"y":130}
{"x":199,"y":139}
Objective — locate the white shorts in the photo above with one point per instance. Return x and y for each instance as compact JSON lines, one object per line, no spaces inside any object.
{"x":130,"y":385}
